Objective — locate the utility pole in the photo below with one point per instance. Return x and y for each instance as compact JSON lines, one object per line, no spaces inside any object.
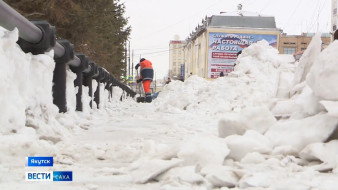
{"x":125,"y":58}
{"x":132,"y":63}
{"x":128,"y":64}
{"x":129,"y":59}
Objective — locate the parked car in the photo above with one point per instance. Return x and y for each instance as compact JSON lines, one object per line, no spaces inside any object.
{"x":298,"y":55}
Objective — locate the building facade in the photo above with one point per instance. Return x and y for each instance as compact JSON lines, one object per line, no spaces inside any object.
{"x":213,"y":46}
{"x":334,"y":16}
{"x":176,"y":59}
{"x":291,"y":44}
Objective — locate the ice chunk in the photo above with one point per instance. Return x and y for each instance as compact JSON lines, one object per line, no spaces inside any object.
{"x":324,"y":74}
{"x":307,"y":59}
{"x":150,"y":169}
{"x":251,"y":141}
{"x":257,"y":118}
{"x":331,"y":107}
{"x":220,"y":176}
{"x":302,"y":132}
{"x":185,"y":174}
{"x":227,"y":127}
{"x":325,"y":152}
{"x":204,"y":151}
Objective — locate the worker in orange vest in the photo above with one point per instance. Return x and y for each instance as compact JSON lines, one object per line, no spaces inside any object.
{"x":147,"y":74}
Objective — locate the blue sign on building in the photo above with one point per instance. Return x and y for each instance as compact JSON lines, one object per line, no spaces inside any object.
{"x":182,"y":70}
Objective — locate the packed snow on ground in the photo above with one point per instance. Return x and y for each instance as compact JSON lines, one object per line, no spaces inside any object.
{"x":268,"y":125}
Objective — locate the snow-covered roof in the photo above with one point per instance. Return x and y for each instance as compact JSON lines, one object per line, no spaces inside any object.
{"x":229,"y":20}
{"x":240,"y":13}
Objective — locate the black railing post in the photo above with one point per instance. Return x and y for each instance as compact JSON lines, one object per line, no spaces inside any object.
{"x":59,"y":76}
{"x":98,"y":77}
{"x":79,"y":79}
{"x":59,"y":87}
{"x":78,"y":84}
{"x":97,"y":94}
{"x":87,"y":80}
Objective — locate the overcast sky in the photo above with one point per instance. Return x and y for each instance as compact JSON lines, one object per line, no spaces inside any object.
{"x":155,"y":22}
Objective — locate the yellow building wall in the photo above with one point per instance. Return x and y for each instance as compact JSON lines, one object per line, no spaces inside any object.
{"x":196,"y":52}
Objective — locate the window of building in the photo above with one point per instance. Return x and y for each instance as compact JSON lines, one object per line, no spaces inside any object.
{"x":288,"y":50}
{"x":334,"y":27}
{"x":334,"y":11}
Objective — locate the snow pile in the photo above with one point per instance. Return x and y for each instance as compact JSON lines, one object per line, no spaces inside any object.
{"x":252,"y":133}
{"x":22,"y":78}
{"x":323,"y":73}
{"x":254,"y":83}
{"x":307,"y":59}
{"x":30,"y":123}
{"x":311,"y":109}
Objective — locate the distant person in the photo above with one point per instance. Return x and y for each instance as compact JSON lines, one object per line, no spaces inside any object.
{"x":221,"y":74}
{"x":147,"y":74}
{"x":169,"y":80}
{"x":181,"y":78}
{"x":239,"y":53}
{"x":335,"y":36}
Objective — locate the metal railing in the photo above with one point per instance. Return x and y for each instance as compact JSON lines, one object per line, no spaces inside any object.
{"x":38,"y":37}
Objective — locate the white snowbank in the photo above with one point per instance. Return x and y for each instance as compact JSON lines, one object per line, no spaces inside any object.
{"x":254,"y":83}
{"x":22,"y":78}
{"x":324,"y":72}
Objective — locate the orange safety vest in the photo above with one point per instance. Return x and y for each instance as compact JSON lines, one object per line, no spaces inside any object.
{"x":147,"y":72}
{"x":146,"y":64}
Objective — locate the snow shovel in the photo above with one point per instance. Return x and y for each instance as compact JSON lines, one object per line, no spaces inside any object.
{"x":140,"y":85}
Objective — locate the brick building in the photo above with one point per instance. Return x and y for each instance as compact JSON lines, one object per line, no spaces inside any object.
{"x":291,"y":44}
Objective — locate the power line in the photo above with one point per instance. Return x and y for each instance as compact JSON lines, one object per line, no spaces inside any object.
{"x":266,"y":5}
{"x":320,"y":10}
{"x":162,"y":51}
{"x":188,"y":17}
{"x":249,"y":2}
{"x":244,"y":1}
{"x":152,"y":48}
{"x":314,"y":16}
{"x":294,"y":11}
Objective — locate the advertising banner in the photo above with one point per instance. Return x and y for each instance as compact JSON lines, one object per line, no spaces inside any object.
{"x":223,"y":49}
